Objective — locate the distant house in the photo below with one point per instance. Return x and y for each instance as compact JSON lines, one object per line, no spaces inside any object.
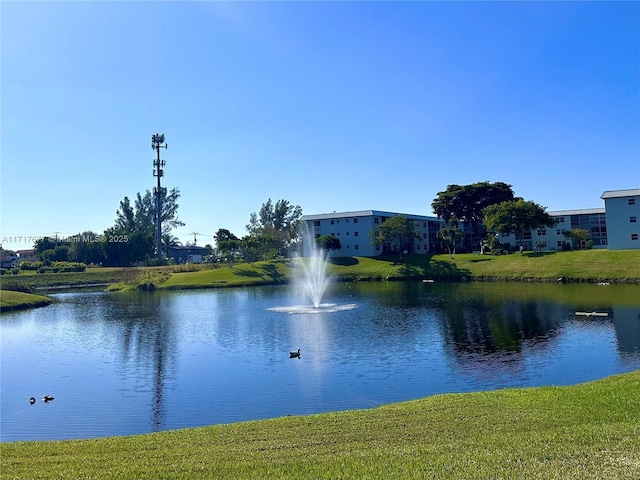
{"x":188,"y":253}
{"x":7,"y":261}
{"x":27,"y":255}
{"x":623,"y":218}
{"x":353,"y":230}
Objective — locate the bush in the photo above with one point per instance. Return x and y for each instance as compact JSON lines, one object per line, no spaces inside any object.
{"x":61,"y":267}
{"x":30,"y":265}
{"x":14,"y":286}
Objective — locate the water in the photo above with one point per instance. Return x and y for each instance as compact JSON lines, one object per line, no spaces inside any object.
{"x":131,"y":363}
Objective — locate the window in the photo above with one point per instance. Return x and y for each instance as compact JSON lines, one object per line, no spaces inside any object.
{"x":542,"y":231}
{"x":424,"y":235}
{"x":632,"y":219}
{"x":347,"y":234}
{"x":561,"y":220}
{"x":355,"y":234}
{"x":632,"y":201}
{"x":357,"y":247}
{"x":634,"y":236}
{"x":560,"y":231}
{"x":355,"y":220}
{"x":418,"y":247}
{"x":377,"y":248}
{"x":332,"y":222}
{"x":316,"y":223}
{"x":560,"y":242}
{"x":376,"y":220}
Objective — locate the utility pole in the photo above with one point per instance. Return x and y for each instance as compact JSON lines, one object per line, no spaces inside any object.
{"x":157,"y":142}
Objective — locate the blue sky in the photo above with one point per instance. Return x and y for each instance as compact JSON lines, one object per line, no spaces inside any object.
{"x":333,"y":106}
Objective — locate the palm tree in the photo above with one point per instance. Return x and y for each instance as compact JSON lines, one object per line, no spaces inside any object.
{"x":169,"y":241}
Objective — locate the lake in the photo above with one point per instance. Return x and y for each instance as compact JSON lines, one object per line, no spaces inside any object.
{"x":133,"y":363}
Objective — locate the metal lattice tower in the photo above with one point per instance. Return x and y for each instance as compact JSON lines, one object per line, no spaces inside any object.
{"x":157,"y":142}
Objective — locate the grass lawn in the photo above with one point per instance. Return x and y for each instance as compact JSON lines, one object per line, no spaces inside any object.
{"x":18,"y":300}
{"x":583,"y":265}
{"x":590,"y":431}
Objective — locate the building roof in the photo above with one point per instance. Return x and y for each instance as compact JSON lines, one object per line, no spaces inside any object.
{"x":632,"y":192}
{"x":364,"y":213}
{"x":582,"y":211}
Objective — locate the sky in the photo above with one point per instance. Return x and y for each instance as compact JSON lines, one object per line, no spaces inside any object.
{"x":332,"y":106}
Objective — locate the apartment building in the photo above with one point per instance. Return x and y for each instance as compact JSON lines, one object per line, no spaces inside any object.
{"x":623,"y":216}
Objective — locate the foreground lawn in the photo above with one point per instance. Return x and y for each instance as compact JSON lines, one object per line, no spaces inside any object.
{"x":19,"y":300}
{"x":584,"y":431}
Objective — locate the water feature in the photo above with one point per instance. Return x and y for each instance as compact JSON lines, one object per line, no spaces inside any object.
{"x":131,"y":363}
{"x":312,"y":283}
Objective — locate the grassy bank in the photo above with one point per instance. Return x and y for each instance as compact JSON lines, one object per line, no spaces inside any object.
{"x":583,"y":431}
{"x":19,"y":300}
{"x":584,"y":266}
{"x":576,"y":266}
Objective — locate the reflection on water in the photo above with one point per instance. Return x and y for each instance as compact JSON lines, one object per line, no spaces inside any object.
{"x":140,"y":362}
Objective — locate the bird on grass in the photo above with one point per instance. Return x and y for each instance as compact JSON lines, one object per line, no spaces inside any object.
{"x":294,"y":354}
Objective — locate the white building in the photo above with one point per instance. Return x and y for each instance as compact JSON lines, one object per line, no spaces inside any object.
{"x":616,"y":226}
{"x":623,"y":215}
{"x":353,"y":229}
{"x":590,"y":219}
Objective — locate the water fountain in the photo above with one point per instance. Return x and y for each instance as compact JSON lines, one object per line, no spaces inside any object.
{"x":312,"y":283}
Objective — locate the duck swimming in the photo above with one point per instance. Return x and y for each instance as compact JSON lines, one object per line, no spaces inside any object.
{"x":32,"y":400}
{"x":294,"y":354}
{"x":47,"y":398}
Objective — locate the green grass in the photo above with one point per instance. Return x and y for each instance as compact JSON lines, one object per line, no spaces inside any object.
{"x":19,"y":300}
{"x":238,"y":275}
{"x":585,"y":265}
{"x":92,"y":276}
{"x":583,"y":431}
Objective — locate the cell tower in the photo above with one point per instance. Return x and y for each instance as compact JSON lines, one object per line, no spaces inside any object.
{"x":157,"y":142}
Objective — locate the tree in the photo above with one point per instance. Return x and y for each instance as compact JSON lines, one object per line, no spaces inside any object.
{"x":516,"y":216}
{"x":450,"y":237}
{"x":466,"y":203}
{"x":87,"y":247}
{"x":142,"y":217}
{"x":169,"y":241}
{"x":280,"y":221}
{"x":579,"y":236}
{"x":137,"y":224}
{"x":328,"y":243}
{"x":227,"y":243}
{"x":397,"y":233}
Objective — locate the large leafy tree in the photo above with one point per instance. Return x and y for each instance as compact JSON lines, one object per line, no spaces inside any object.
{"x":450,"y":237}
{"x":227,"y":243}
{"x":516,"y":216}
{"x":280,"y":220}
{"x":466,"y":203}
{"x":397,"y":233}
